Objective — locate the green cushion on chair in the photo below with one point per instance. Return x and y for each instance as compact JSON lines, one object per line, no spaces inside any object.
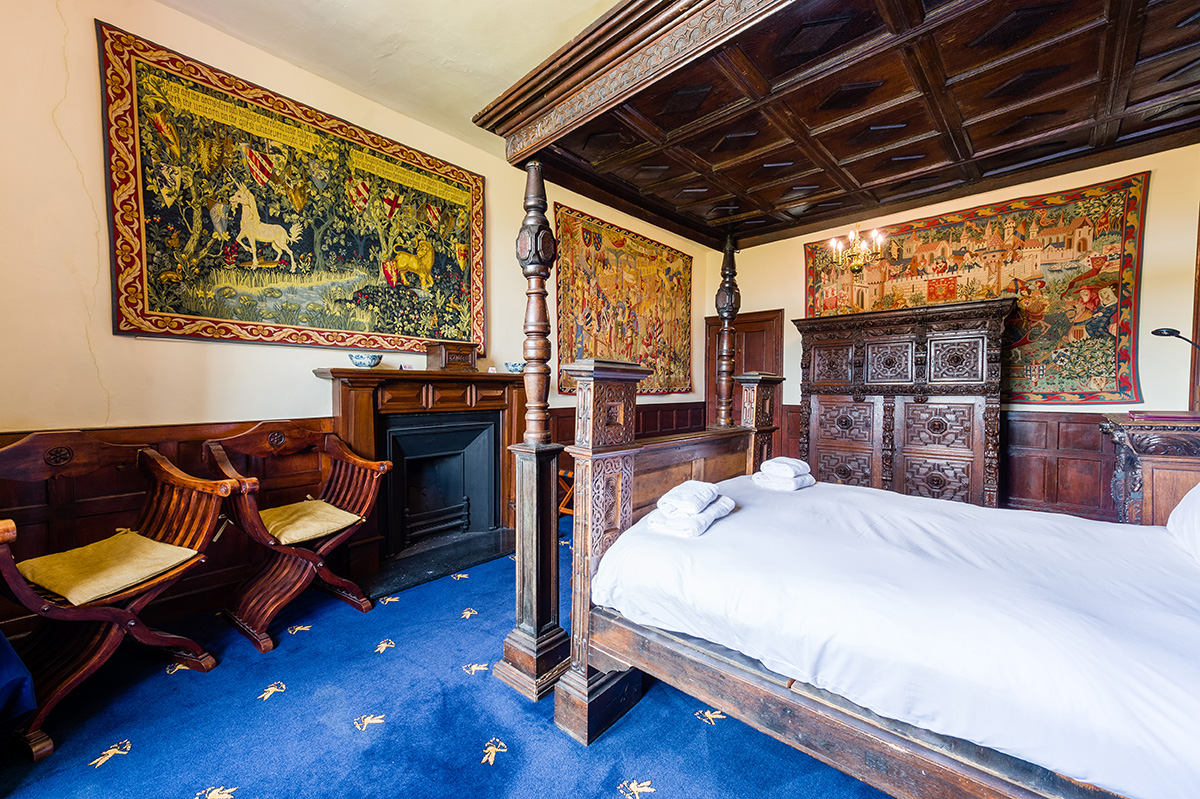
{"x":304,"y":521}
{"x":106,"y":567}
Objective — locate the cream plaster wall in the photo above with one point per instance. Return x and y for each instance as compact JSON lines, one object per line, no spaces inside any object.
{"x":772,"y":275}
{"x":62,"y":365}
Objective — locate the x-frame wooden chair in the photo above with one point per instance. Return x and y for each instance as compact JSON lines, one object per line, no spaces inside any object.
{"x":351,"y":485}
{"x":75,"y":640}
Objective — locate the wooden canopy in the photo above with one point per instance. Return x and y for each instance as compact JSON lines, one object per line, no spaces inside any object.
{"x":763,"y":119}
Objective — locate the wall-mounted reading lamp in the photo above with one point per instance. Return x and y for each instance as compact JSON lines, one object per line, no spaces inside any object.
{"x":1173,"y":333}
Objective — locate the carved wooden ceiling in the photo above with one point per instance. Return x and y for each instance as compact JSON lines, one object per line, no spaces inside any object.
{"x":764,"y":119}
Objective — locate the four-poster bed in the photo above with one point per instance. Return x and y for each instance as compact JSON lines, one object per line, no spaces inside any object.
{"x":740,"y":122}
{"x":617,"y":481}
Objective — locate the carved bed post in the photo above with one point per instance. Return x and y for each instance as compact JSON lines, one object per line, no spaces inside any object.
{"x":586,"y":700}
{"x":729,"y":300}
{"x":535,"y":652}
{"x":759,"y":397}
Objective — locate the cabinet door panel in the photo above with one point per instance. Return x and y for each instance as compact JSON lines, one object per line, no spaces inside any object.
{"x":936,"y":477}
{"x":845,"y":466}
{"x":841,"y":420}
{"x":945,"y":425}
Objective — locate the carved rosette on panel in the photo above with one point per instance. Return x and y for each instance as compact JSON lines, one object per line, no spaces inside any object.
{"x":845,"y":421}
{"x":937,"y":479}
{"x":956,"y":360}
{"x":614,"y":406}
{"x":847,"y":468}
{"x":888,"y":459}
{"x":832,"y":364}
{"x":889,"y":362}
{"x":939,"y":425}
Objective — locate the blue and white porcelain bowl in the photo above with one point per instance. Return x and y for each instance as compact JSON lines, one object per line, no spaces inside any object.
{"x":365,"y":359}
{"x":514,"y":366}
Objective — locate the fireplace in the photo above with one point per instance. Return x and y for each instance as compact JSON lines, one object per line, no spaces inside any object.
{"x":461,"y":509}
{"x":445,"y":477}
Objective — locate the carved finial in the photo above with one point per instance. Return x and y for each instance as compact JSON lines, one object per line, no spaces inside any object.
{"x":536,"y":251}
{"x":729,"y":300}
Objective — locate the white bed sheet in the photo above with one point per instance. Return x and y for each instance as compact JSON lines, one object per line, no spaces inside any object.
{"x":1069,"y":643}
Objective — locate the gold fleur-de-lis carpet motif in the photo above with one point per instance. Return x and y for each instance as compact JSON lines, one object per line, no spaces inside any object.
{"x":122,"y":748}
{"x":632,"y":789}
{"x":219,"y":792}
{"x":400,"y":701}
{"x":271,"y":690}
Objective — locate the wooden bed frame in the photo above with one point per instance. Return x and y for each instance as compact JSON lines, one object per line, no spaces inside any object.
{"x":618,"y":479}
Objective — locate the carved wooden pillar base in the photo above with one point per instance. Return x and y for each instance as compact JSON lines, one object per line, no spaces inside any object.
{"x":533,"y":665}
{"x":584,"y":707}
{"x":536,"y":652}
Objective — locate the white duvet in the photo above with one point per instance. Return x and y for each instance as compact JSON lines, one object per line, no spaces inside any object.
{"x":1069,"y":643}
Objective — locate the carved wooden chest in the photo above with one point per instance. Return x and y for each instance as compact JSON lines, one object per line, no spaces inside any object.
{"x":905,"y":400}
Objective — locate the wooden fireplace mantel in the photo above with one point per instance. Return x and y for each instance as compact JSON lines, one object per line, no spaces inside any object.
{"x":362,"y":396}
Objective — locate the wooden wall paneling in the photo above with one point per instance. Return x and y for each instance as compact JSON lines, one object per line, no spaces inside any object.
{"x":1059,"y":462}
{"x":659,"y":419}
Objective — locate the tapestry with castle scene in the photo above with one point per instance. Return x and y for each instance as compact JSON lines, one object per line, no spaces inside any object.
{"x":1072,"y":260}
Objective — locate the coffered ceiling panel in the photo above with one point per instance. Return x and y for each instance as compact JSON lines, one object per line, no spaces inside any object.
{"x":803,"y":36}
{"x":760,"y":119}
{"x":693,"y":94}
{"x":883,"y":129}
{"x":770,"y":167}
{"x":1044,"y":71}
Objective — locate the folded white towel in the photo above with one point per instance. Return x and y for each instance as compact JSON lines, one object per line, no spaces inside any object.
{"x":687,"y":498}
{"x":690,"y":526}
{"x":785,"y":467}
{"x":776,"y":483}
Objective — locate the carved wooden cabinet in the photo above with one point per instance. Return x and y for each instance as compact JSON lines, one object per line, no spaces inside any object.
{"x":1158,"y":461}
{"x":906,"y":400}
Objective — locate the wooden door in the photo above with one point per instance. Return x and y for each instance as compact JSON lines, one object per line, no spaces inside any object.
{"x":758,"y":347}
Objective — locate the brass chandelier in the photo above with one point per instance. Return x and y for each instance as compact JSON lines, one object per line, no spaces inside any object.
{"x":857,"y":250}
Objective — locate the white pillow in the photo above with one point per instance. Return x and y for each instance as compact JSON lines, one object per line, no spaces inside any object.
{"x":1184,"y":522}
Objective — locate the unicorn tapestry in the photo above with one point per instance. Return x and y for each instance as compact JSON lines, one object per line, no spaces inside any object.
{"x":623,"y":297}
{"x":1072,"y":259}
{"x":240,"y":214}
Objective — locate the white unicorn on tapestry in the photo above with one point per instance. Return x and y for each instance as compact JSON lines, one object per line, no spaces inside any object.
{"x":253,"y":230}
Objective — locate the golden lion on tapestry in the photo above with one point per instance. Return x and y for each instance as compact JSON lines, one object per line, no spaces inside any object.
{"x":403,"y":262}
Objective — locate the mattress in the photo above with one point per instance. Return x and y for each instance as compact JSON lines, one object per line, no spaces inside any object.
{"x":1069,"y":643}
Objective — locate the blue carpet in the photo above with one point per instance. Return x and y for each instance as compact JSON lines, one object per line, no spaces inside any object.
{"x":413,"y":719}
